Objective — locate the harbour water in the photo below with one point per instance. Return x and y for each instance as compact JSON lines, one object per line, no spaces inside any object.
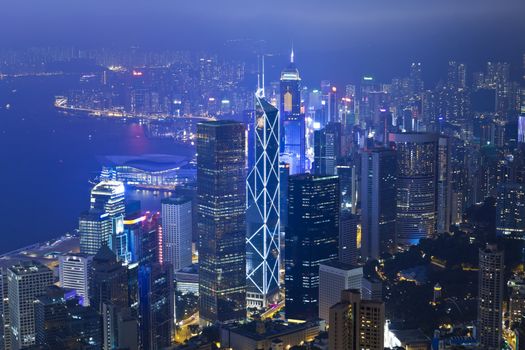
{"x":47,"y":159}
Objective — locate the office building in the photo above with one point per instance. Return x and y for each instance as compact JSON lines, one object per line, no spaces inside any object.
{"x":156,"y":305}
{"x":327,"y":149}
{"x":348,"y":238}
{"x":106,"y":201}
{"x":334,"y":277}
{"x":176,"y":231}
{"x":510,"y":210}
{"x":284,"y":174}
{"x":119,"y":328}
{"x":221,"y":221}
{"x":51,"y":316}
{"x":416,"y":212}
{"x":490,"y":297}
{"x":26,"y":281}
{"x":293,"y":128}
{"x":62,"y":323}
{"x":311,"y":239}
{"x":95,"y":229}
{"x":348,"y":181}
{"x":187,"y":280}
{"x":144,"y":234}
{"x":5,"y":341}
{"x":74,"y":271}
{"x":263,"y":209}
{"x":444,"y":186}
{"x":109,"y":283}
{"x":378,"y":207}
{"x":268,"y":334}
{"x":108,"y":197}
{"x":521,"y":127}
{"x":516,"y":291}
{"x":372,"y":289}
{"x":355,"y":323}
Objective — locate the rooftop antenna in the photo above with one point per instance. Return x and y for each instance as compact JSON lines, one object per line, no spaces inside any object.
{"x":260,"y":81}
{"x":291,"y":55}
{"x":263,"y":75}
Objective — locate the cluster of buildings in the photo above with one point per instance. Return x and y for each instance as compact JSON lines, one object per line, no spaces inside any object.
{"x":286,"y":211}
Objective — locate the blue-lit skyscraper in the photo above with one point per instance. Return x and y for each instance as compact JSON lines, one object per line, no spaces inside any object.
{"x":263,"y":208}
{"x":293,"y":142}
{"x":103,"y":223}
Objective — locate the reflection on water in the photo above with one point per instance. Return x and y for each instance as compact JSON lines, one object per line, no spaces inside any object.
{"x":149,"y":200}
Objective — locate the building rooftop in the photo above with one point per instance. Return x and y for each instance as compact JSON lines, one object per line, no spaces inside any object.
{"x":340,"y":265}
{"x":28,"y":267}
{"x":176,"y":199}
{"x":410,"y":336}
{"x":147,"y":162}
{"x":270,"y":329}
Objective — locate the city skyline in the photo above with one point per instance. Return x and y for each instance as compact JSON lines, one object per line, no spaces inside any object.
{"x":273,"y":176}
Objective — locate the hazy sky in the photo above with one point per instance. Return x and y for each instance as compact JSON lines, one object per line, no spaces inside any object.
{"x":372,"y":33}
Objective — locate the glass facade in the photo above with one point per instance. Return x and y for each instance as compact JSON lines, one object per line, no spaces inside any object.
{"x":263,"y":209}
{"x":417,"y":156}
{"x":311,"y":239}
{"x":378,"y":207}
{"x":293,"y":127}
{"x":95,"y":230}
{"x":221,"y":220}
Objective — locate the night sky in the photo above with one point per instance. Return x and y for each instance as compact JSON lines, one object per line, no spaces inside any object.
{"x":338,"y":40}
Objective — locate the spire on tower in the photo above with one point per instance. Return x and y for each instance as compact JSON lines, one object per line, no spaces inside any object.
{"x":260,"y":80}
{"x":291,"y":55}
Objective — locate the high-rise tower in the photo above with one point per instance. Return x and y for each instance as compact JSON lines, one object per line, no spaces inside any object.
{"x":221,"y":221}
{"x":176,"y":231}
{"x":378,"y":207}
{"x":356,"y":323}
{"x":311,"y":239}
{"x":293,"y":129}
{"x":417,"y":158}
{"x":26,"y":281}
{"x":490,"y":297}
{"x":263,"y":208}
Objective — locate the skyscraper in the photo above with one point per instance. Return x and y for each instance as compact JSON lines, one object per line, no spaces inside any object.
{"x":510,"y":210}
{"x":95,"y":229}
{"x":348,"y":238}
{"x":327,"y":149}
{"x":51,"y":316}
{"x":103,"y":223}
{"x":221,"y":206}
{"x":263,"y":208}
{"x":417,"y":155}
{"x":490,"y":297}
{"x":348,"y":180}
{"x":378,"y":207}
{"x":444,"y":185}
{"x":109,"y":283}
{"x":6,"y":327}
{"x":334,"y":277}
{"x":355,"y":323}
{"x":26,"y":281}
{"x":176,"y":231}
{"x":74,"y":273}
{"x":293,"y":129}
{"x":108,"y":197}
{"x":311,"y":239}
{"x":156,"y":305}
